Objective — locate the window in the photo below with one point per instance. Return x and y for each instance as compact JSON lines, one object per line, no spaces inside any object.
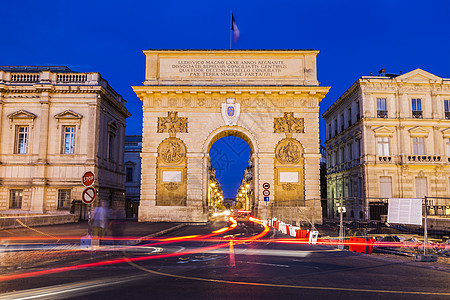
{"x":349,"y":116}
{"x":69,"y":139}
{"x":15,"y":199}
{"x":381,"y":108}
{"x":418,"y":146}
{"x":329,"y":131}
{"x":357,"y":148}
{"x":447,"y":109}
{"x":111,"y":138}
{"x":421,"y":187}
{"x":342,"y":122}
{"x":342,"y":155}
{"x":63,"y":199}
{"x":358,"y":115}
{"x":350,"y":152}
{"x":383,"y":146}
{"x":335,"y":127}
{"x":21,"y":139}
{"x":129,"y":174}
{"x":385,"y":187}
{"x":416,"y":105}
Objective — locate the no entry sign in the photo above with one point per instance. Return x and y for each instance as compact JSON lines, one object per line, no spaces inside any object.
{"x":88,"y":178}
{"x":266,"y":193}
{"x":266,"y":185}
{"x":88,"y":195}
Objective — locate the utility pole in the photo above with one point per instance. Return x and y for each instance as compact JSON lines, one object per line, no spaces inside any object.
{"x":341,"y":224}
{"x":425,"y":230}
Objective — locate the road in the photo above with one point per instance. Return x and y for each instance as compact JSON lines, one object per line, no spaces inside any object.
{"x":246,"y":262}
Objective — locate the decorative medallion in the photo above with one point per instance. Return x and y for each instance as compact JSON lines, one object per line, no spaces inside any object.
{"x":289,"y":186}
{"x":172,"y":123}
{"x":230,"y":112}
{"x":288,"y":124}
{"x":171,"y":186}
{"x":288,"y":151}
{"x":172,"y":150}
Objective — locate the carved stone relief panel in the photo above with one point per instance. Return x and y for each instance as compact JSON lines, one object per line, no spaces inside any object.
{"x":288,"y":124}
{"x":288,"y":151}
{"x":172,"y":123}
{"x":172,"y":150}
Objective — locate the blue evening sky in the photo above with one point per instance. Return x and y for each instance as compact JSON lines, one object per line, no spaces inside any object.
{"x":354,"y":37}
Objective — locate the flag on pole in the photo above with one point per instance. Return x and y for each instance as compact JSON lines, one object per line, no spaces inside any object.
{"x":234,"y":28}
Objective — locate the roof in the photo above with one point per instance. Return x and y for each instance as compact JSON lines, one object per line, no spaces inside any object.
{"x":231,"y":50}
{"x":36,"y":69}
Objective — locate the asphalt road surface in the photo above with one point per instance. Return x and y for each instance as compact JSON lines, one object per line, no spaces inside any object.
{"x":245,"y":262}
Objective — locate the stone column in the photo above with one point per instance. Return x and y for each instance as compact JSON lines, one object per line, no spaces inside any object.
{"x":434,"y":106}
{"x":403,"y":105}
{"x":44,"y":124}
{"x":437,"y":141}
{"x":93,"y":136}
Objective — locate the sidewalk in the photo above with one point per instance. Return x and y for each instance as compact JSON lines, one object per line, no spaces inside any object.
{"x":132,"y":229}
{"x":46,"y":248}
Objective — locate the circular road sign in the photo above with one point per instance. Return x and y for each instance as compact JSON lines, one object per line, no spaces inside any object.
{"x":266,"y":193}
{"x":88,"y":178}
{"x":88,"y":195}
{"x":266,"y":185}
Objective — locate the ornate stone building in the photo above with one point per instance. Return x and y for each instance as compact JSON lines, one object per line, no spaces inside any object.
{"x":270,"y":99}
{"x":388,"y":136}
{"x":55,"y":124}
{"x":132,"y":158}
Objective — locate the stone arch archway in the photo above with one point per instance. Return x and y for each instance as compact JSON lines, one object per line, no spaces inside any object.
{"x":197,"y":97}
{"x":249,"y":138}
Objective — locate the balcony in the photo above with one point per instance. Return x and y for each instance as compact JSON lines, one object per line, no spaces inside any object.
{"x":384,"y":159}
{"x":24,"y":77}
{"x":417,"y":114}
{"x":423,"y":158}
{"x":382,"y":114}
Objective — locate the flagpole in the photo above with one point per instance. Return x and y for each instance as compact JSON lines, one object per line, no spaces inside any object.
{"x":231,"y":20}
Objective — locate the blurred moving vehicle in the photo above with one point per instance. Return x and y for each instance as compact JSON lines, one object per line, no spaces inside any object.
{"x":241,"y":215}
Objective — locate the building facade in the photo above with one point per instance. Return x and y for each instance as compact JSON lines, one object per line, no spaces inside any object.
{"x":192,"y":98}
{"x":388,"y":136}
{"x":55,"y":124}
{"x":132,"y":159}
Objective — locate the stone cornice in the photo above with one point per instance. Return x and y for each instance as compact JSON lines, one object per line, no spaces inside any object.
{"x":314,"y":91}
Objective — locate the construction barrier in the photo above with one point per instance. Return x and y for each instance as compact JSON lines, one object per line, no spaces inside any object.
{"x":302,"y":234}
{"x":360,"y":245}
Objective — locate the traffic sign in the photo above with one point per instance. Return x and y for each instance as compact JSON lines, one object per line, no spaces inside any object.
{"x":266,"y":185}
{"x":88,"y":195}
{"x":341,"y":209}
{"x":266,"y":192}
{"x":88,"y":178}
{"x":266,"y":199}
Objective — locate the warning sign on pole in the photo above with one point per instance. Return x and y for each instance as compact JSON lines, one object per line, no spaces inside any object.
{"x":88,"y":195}
{"x":88,"y":178}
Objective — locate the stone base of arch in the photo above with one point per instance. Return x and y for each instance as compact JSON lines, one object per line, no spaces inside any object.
{"x":181,"y":214}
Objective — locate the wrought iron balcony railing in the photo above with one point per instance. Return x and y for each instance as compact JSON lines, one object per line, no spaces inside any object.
{"x":382,"y":114}
{"x":417,"y":114}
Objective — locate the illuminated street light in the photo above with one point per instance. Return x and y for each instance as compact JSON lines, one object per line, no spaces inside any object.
{"x":212,"y":184}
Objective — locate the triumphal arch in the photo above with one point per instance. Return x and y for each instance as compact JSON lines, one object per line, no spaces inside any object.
{"x":192,"y":98}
